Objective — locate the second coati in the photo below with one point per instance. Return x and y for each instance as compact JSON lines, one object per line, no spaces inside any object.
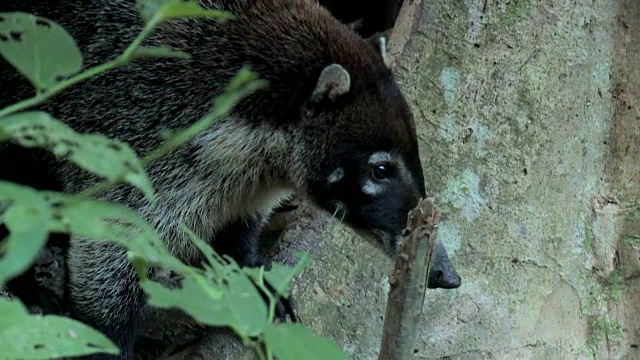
{"x":332,"y":125}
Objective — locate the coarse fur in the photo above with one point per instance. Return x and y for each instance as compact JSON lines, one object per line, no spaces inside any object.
{"x":332,"y":125}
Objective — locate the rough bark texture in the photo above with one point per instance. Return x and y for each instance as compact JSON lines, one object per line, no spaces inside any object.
{"x":623,"y":172}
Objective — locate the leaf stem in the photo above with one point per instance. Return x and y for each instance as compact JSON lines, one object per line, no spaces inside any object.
{"x":269,"y":352}
{"x":272,"y":300}
{"x":256,"y":347}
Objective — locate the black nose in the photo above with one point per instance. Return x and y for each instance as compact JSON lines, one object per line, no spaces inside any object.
{"x":442,"y":274}
{"x":443,"y":280}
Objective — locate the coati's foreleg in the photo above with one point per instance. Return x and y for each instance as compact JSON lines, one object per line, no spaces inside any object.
{"x":241,"y":241}
{"x":104,"y":292}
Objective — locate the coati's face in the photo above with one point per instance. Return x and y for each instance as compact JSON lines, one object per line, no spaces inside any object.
{"x":372,"y":190}
{"x":367,"y":168}
{"x":369,"y":175}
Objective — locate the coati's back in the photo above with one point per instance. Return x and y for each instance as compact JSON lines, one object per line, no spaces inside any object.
{"x":332,"y":125}
{"x":286,"y":42}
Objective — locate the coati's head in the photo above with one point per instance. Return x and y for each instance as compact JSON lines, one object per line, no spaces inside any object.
{"x":363,"y":152}
{"x":369,"y":173}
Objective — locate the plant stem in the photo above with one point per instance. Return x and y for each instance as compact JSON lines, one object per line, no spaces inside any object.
{"x":272,"y":299}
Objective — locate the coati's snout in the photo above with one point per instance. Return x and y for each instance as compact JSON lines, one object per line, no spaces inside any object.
{"x":373,"y":195}
{"x":374,"y":198}
{"x":442,"y":274}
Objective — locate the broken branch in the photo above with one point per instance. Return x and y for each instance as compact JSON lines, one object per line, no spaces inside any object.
{"x":408,"y":282}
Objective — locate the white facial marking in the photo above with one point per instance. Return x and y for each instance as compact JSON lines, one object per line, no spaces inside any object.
{"x":336,"y":175}
{"x":379,"y":156}
{"x":372,"y":188}
{"x":369,"y":187}
{"x":403,"y":175}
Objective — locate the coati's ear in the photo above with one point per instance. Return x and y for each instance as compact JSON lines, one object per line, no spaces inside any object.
{"x":379,"y":42}
{"x":333,"y":82}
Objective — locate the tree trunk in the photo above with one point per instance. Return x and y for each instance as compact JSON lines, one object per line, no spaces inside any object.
{"x":528,"y":114}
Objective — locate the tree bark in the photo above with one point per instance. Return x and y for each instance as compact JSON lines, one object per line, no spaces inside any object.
{"x":518,"y":114}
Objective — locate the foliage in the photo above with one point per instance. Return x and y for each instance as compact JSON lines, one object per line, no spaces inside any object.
{"x":50,"y":336}
{"x":220,"y":294}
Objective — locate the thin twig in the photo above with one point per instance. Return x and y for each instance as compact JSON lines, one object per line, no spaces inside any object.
{"x":408,"y":282}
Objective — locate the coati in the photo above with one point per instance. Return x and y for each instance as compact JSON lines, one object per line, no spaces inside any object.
{"x":332,"y":125}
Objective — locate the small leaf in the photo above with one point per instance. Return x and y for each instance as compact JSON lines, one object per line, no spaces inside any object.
{"x":238,"y":306}
{"x":249,"y":311}
{"x":221,"y":296}
{"x":25,"y":336}
{"x":105,"y":157}
{"x":159,"y":52}
{"x":295,"y":341}
{"x":30,"y":215}
{"x":199,"y":302}
{"x":39,"y":48}
{"x":27,"y":218}
{"x":157,"y":11}
{"x":244,"y":83}
{"x":212,"y":257}
{"x":280,"y":276}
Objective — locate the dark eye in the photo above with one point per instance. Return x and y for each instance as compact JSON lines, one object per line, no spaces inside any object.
{"x":381,"y":171}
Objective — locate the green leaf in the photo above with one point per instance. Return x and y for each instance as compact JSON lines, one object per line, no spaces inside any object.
{"x":220,"y":296}
{"x":39,"y":48}
{"x":105,"y":157}
{"x":280,"y":276}
{"x":295,"y":341}
{"x":157,"y":11}
{"x":248,"y":310}
{"x":193,"y":297}
{"x":27,"y":219}
{"x":25,"y":336}
{"x":159,"y":52}
{"x":244,"y":81}
{"x":238,"y":306}
{"x":30,"y":215}
{"x":215,"y":261}
{"x":28,"y":211}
